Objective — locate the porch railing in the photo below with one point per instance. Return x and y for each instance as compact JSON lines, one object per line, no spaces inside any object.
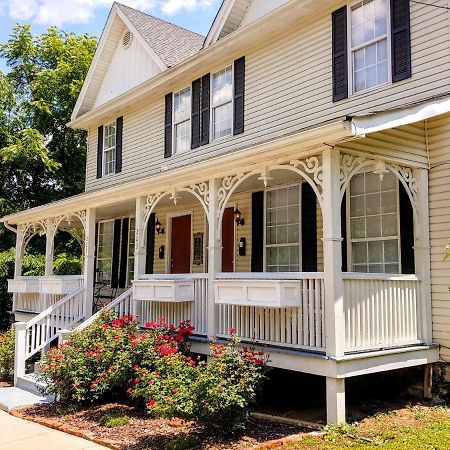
{"x":381,"y":311}
{"x":34,"y":302}
{"x":299,"y":327}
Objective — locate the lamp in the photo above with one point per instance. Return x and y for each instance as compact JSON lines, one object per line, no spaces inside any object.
{"x":158,"y":228}
{"x":380,"y":169}
{"x":238,"y":217}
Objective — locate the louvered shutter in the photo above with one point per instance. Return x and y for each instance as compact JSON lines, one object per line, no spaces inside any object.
{"x":340,"y":54}
{"x":257,"y":264}
{"x":239,"y":91}
{"x":400,"y":40}
{"x":150,"y":251}
{"x":309,"y":229}
{"x":406,"y":231}
{"x":124,"y":253}
{"x":168,"y":126}
{"x":116,"y":254}
{"x":119,"y":132}
{"x":204,"y":119}
{"x":100,"y":151}
{"x":195,"y":116}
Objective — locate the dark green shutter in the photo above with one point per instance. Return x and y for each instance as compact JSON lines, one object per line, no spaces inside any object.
{"x":195,"y":115}
{"x":340,"y":54}
{"x":150,"y":251}
{"x":119,"y":132}
{"x":309,"y":229}
{"x":406,"y":231}
{"x":257,"y":264}
{"x":116,"y":254}
{"x":100,"y":151}
{"x":205,"y":114}
{"x":239,"y":91}
{"x":400,"y":40}
{"x":168,"y":126}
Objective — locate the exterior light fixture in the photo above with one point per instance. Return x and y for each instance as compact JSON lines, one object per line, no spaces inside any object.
{"x":158,"y":228}
{"x":265,"y":176}
{"x":380,"y":169}
{"x":238,"y":217}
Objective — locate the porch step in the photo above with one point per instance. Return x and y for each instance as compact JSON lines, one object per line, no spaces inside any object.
{"x":15,"y":397}
{"x":30,"y":384}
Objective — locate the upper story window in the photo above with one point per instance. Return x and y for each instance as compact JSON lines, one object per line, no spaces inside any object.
{"x":109,"y":149}
{"x":369,"y":44}
{"x":182,"y":120}
{"x":222,"y":103}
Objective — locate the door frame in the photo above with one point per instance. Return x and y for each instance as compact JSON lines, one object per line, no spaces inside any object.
{"x":235,"y":234}
{"x":169,"y":217}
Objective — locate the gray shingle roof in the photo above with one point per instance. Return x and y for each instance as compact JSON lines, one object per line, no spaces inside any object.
{"x":173,"y":44}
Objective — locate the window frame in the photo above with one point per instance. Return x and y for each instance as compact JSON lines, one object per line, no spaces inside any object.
{"x":174,"y":123}
{"x":113,"y":149}
{"x":348,"y":236}
{"x":351,"y":50}
{"x":274,"y":188}
{"x":212,"y":107}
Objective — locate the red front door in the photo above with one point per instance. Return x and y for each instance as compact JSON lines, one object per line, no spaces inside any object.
{"x":180,"y":249}
{"x":228,"y":240}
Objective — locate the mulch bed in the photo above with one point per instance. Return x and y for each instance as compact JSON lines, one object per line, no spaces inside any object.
{"x":6,"y":383}
{"x":142,"y":432}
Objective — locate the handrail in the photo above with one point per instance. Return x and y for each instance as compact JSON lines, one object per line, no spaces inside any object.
{"x":107,"y":307}
{"x":250,"y":276}
{"x":171,"y":277}
{"x":380,"y":276}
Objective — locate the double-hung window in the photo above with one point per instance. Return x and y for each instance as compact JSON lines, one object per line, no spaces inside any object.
{"x":369,"y":44}
{"x":105,"y":250}
{"x":374,"y":223}
{"x":222,"y":103}
{"x":182,"y":120}
{"x":109,"y":149}
{"x":283,"y":234}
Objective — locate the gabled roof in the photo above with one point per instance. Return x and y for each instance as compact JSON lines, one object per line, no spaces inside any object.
{"x":173,"y":44}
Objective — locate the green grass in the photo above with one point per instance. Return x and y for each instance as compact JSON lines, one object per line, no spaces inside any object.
{"x":113,"y":421}
{"x":184,"y":443}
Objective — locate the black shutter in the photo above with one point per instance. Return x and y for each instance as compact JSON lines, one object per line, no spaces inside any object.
{"x":124,"y":253}
{"x":195,"y":116}
{"x":150,"y":244}
{"x":168,"y":127}
{"x":406,"y":231}
{"x":239,"y":91}
{"x":95,"y":253}
{"x":309,"y":229}
{"x":100,"y":151}
{"x":400,"y":40}
{"x":340,"y":54}
{"x":115,"y":254}
{"x":119,"y":132}
{"x":344,"y":232}
{"x":204,"y":115}
{"x":257,"y":232}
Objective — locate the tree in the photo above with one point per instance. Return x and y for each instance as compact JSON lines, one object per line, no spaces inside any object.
{"x":41,"y":160}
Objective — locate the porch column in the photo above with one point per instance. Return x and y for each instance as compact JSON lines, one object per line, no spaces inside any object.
{"x":335,"y":400}
{"x":140,"y":250}
{"x":19,"y":253}
{"x":422,"y":255}
{"x":214,"y":256}
{"x":89,"y":259}
{"x":49,"y":246}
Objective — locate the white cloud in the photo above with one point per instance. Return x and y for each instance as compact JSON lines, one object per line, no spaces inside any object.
{"x":60,"y":12}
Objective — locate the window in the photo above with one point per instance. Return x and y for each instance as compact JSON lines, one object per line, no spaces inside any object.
{"x":105,"y":250}
{"x":131,"y":242}
{"x":182,"y":120}
{"x":109,"y":149}
{"x":369,"y":43}
{"x":222,"y":103}
{"x":283,"y":234}
{"x":374,"y":235}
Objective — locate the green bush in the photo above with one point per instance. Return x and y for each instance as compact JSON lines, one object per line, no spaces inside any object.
{"x":7,"y":354}
{"x":114,"y":420}
{"x":66,"y":264}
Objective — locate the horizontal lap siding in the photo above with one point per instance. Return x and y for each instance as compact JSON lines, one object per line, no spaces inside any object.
{"x":288,"y":88}
{"x":439,"y":195}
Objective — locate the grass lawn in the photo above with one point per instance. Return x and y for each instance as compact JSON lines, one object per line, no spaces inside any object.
{"x":410,"y":428}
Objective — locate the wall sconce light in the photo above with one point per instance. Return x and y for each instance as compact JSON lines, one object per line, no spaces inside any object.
{"x":380,"y":169}
{"x":238,"y":217}
{"x":158,"y":228}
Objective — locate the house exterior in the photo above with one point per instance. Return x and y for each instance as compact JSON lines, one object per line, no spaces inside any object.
{"x":285,"y":176}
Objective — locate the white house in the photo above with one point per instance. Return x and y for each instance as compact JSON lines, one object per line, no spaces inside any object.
{"x":285,"y":176}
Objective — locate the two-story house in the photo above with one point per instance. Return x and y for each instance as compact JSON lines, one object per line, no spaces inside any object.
{"x":286,"y":176}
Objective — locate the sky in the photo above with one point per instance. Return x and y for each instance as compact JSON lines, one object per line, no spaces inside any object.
{"x":89,"y":16}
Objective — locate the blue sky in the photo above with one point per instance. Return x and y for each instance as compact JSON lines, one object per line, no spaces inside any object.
{"x":89,"y":16}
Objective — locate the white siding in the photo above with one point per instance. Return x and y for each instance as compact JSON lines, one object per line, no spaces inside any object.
{"x":259,"y":8}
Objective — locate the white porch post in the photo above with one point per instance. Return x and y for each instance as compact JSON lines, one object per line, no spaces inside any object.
{"x":89,"y":259}
{"x":49,"y":246}
{"x":19,"y":350}
{"x":19,"y":253}
{"x":214,"y":256}
{"x":334,"y":290}
{"x":140,"y":251}
{"x":422,"y":254}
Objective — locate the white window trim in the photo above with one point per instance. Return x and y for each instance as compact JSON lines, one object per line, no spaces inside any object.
{"x":212,"y":108}
{"x":174,"y":124}
{"x":300,"y":260}
{"x":350,"y":50}
{"x":104,"y":150}
{"x":350,"y":241}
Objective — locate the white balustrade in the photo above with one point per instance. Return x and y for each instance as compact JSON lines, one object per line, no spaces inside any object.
{"x":381,"y":311}
{"x":34,"y":302}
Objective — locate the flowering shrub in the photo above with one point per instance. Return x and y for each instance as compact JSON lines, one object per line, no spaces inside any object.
{"x":7,"y":354}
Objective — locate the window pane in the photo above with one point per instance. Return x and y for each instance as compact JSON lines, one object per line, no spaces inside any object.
{"x":222,"y":89}
{"x":182,"y":105}
{"x":389,"y":224}
{"x":358,"y":228}
{"x":183,"y":136}
{"x":389,"y":202}
{"x":373,"y":226}
{"x":223,"y":120}
{"x":391,"y":251}
{"x":376,"y":252}
{"x":359,"y":252}
{"x":373,"y":204}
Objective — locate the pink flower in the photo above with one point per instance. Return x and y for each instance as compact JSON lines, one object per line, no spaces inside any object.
{"x":135,"y":367}
{"x":151,"y":403}
{"x":232,"y":330}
